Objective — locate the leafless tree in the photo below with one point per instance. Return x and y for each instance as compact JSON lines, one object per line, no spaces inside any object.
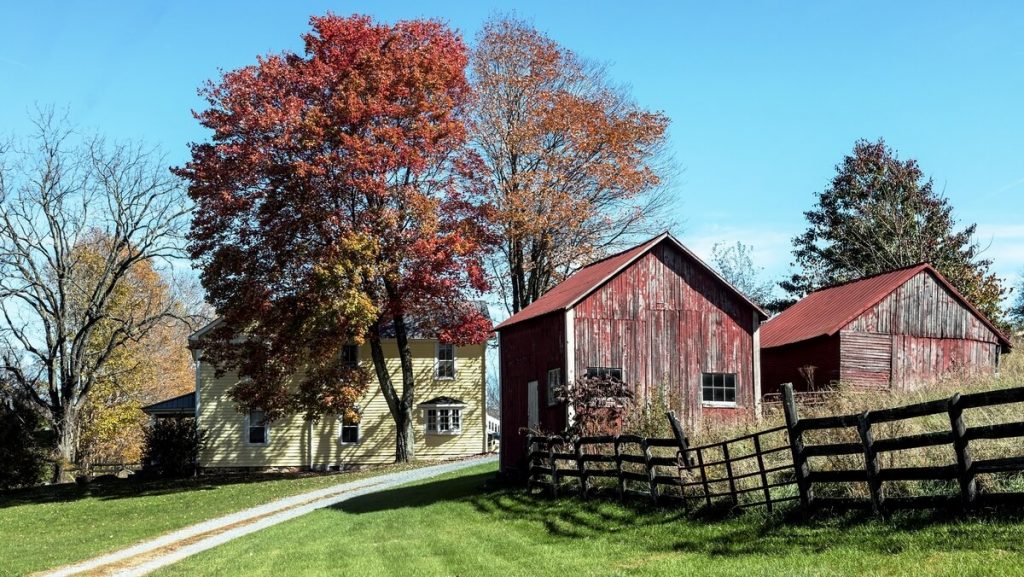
{"x":58,"y":327}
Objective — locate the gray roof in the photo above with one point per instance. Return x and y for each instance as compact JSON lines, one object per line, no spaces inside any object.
{"x":184,"y":405}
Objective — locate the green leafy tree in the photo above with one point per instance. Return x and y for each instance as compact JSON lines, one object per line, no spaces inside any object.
{"x":1016,"y":312}
{"x":881,"y":213}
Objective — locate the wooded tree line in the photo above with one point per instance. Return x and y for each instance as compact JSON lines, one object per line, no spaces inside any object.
{"x":368,"y":188}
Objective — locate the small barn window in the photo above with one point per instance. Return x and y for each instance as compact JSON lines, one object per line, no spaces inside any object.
{"x":350,"y":355}
{"x":445,"y":361}
{"x":604,"y":373}
{"x":554,"y":381}
{"x":349,"y":432}
{"x":718,"y":388}
{"x":257,"y":428}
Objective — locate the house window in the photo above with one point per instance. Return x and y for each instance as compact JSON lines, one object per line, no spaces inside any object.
{"x":554,"y":382}
{"x":257,"y":428}
{"x":604,"y":373}
{"x":444,"y":421}
{"x":718,"y":388}
{"x":350,"y":356}
{"x":445,"y":361}
{"x":349,"y":432}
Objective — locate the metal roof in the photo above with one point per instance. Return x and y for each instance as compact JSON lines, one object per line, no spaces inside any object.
{"x":180,"y":405}
{"x":827,"y":311}
{"x":578,"y":286}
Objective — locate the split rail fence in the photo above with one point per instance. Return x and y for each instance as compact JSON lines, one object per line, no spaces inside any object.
{"x":774,"y":465}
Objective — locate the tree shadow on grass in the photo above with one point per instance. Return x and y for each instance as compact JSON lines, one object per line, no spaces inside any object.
{"x":716,"y":533}
{"x":140,"y":487}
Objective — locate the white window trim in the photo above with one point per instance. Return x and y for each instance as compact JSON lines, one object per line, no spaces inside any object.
{"x":359,"y":433}
{"x":720,"y":404}
{"x":450,"y":407}
{"x":245,"y":432}
{"x":437,"y":362}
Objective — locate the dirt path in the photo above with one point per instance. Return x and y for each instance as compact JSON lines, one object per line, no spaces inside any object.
{"x":151,"y":555}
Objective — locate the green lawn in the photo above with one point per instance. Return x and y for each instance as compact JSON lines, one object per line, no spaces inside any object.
{"x":51,"y":526}
{"x":454,"y":526}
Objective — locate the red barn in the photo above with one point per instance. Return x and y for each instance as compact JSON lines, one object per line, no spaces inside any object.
{"x":655,"y":316}
{"x":900,"y":329}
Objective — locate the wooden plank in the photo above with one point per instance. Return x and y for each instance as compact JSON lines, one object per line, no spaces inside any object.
{"x":651,"y":472}
{"x":833,"y":449}
{"x":1003,"y":465}
{"x":914,"y":441}
{"x":932,"y":473}
{"x":728,"y":469}
{"x":839,"y":476}
{"x":703,"y":476}
{"x":997,"y":397}
{"x":618,"y":468}
{"x":909,"y":411}
{"x":581,"y":468}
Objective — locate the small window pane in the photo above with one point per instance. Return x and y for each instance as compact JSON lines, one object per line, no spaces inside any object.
{"x":350,"y":355}
{"x":456,"y":420}
{"x":445,"y":361}
{"x":718,"y":387}
{"x":432,"y":420}
{"x":257,"y":427}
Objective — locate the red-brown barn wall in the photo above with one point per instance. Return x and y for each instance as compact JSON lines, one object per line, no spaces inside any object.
{"x":782,"y":364}
{"x":526,"y":352}
{"x":664,"y":321}
{"x":910,"y":338}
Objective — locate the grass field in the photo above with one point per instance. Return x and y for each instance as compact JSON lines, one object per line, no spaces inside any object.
{"x":47,"y":527}
{"x":455,"y":526}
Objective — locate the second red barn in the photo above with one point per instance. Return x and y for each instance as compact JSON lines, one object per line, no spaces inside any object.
{"x":899,"y":329}
{"x":655,"y":316}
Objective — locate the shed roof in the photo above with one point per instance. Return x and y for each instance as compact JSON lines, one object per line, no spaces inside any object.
{"x":180,"y":405}
{"x":827,"y":311}
{"x":578,"y":286}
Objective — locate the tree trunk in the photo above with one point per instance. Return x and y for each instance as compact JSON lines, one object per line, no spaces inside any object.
{"x":65,"y":432}
{"x":400,"y":406}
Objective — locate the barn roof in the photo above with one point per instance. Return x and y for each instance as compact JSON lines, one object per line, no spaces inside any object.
{"x":578,"y":286}
{"x":827,"y":311}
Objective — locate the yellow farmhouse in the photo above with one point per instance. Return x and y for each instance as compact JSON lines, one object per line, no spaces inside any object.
{"x":449,"y":420}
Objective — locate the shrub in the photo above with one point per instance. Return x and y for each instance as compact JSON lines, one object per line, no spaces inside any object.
{"x":172,"y":447}
{"x":20,"y":452}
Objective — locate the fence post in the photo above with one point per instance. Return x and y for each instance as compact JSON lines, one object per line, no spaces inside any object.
{"x":529,"y":460}
{"x":964,"y":463}
{"x":764,"y":475}
{"x":651,"y":473}
{"x":581,"y":467}
{"x":677,"y":432}
{"x":728,"y":472}
{"x":618,"y":469}
{"x":703,"y":477}
{"x":796,"y":444}
{"x":870,"y":461}
{"x":554,"y":466}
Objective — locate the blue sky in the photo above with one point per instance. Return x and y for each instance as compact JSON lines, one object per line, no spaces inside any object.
{"x":765,"y":97}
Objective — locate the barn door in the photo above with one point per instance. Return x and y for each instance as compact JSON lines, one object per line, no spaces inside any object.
{"x":866,"y":359}
{"x":532,"y":406}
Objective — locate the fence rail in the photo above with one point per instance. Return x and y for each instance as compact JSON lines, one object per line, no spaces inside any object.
{"x":764,"y":467}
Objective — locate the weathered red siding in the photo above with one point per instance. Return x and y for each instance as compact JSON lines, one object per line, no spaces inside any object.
{"x":912,"y":336}
{"x":782,"y":364}
{"x":664,"y":321}
{"x":527,"y":350}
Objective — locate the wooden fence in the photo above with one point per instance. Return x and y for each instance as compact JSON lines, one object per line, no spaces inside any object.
{"x":775,"y":465}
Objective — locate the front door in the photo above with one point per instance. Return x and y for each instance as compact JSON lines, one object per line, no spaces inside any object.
{"x":532,"y":406}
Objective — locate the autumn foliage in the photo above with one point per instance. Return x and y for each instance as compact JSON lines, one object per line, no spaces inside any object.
{"x":574,"y":167}
{"x":335,"y":202}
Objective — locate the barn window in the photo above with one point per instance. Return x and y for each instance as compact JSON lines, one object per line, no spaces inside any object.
{"x":445,"y":361}
{"x":604,"y":373}
{"x":349,"y":431}
{"x":257,"y":429}
{"x":718,"y":388}
{"x":554,"y":381}
{"x":350,"y":356}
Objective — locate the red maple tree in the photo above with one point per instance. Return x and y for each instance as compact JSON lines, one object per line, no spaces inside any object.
{"x":335,"y":204}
